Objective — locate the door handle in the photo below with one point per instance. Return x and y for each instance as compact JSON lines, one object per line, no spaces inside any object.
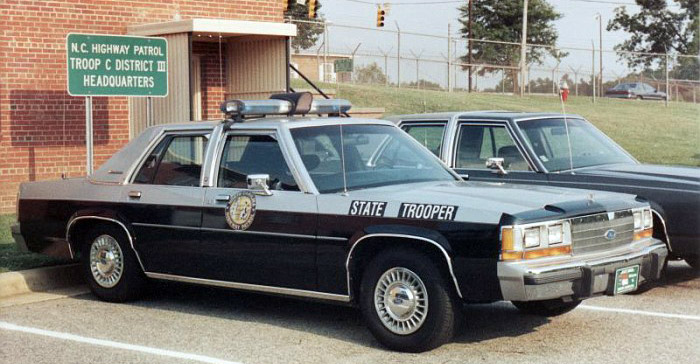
{"x":223,"y":198}
{"x":135,"y":194}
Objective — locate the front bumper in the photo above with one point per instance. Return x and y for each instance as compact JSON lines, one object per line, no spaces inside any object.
{"x":19,"y":239}
{"x":579,"y":277}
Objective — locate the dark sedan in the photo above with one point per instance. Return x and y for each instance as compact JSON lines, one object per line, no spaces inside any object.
{"x":534,"y":149}
{"x":635,"y":90}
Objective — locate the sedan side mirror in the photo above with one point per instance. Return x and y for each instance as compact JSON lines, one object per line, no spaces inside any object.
{"x":497,"y":165}
{"x":259,"y":184}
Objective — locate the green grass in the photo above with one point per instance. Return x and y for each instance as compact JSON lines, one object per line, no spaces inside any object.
{"x":11,"y":258}
{"x":648,"y":130}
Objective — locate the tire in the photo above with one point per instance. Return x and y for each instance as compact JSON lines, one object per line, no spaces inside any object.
{"x":640,"y":98}
{"x":693,"y":261}
{"x":433,"y":322}
{"x":546,"y":308}
{"x":118,"y":276}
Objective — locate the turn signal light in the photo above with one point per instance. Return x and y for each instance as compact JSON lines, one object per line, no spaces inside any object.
{"x":548,"y":252}
{"x":643,"y":234}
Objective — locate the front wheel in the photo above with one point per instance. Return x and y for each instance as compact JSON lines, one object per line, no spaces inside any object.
{"x":406,"y":303}
{"x":546,"y":308}
{"x":110,"y":266}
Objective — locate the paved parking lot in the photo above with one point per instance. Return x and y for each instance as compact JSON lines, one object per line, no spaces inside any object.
{"x":182,"y":324}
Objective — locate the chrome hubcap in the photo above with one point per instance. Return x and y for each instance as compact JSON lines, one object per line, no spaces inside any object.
{"x":401,"y":301}
{"x":106,"y":261}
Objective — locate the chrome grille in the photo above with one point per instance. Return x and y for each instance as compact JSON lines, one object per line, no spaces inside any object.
{"x":591,"y":233}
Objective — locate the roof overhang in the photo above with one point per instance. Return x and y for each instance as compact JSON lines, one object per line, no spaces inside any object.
{"x":223,"y":27}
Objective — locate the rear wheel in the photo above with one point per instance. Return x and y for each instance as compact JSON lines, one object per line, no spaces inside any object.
{"x":110,"y":266}
{"x":547,"y":308}
{"x":406,"y":303}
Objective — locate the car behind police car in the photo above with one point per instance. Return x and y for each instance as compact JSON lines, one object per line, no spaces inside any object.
{"x":346,"y":210}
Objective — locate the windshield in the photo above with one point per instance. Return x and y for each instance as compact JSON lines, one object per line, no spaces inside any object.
{"x":589,"y":146}
{"x":374,"y":155}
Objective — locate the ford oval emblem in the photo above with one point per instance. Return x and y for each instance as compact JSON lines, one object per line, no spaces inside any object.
{"x":610,"y":234}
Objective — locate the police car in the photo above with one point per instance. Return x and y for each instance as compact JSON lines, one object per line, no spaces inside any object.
{"x":345,"y":210}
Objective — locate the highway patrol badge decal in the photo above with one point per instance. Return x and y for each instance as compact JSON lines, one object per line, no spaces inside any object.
{"x":240,"y":211}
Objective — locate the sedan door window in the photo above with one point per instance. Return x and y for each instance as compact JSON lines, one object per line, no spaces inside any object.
{"x":478,"y":143}
{"x":244,"y":155}
{"x":176,"y":161}
{"x":428,"y":134}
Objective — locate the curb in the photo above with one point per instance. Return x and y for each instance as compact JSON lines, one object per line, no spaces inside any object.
{"x":39,"y":279}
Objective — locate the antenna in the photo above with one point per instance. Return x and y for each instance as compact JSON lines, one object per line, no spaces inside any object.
{"x":568,"y":135}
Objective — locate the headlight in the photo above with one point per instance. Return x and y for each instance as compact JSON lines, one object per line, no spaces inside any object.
{"x":532,"y":237}
{"x":643,"y":223}
{"x":538,"y":240}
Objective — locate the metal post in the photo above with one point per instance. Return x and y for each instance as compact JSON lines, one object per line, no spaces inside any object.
{"x":288,"y":58}
{"x":455,"y":65}
{"x":325,"y":49}
{"x":352,"y":71}
{"x":417,"y":57}
{"x":386,"y":69}
{"x":668,"y":95}
{"x":528,"y":81}
{"x":449,"y":57}
{"x":503,"y":80}
{"x":88,"y":135}
{"x":593,"y":69}
{"x":470,"y":37}
{"x":149,"y":111}
{"x":600,"y":51}
{"x":398,"y":54}
{"x":523,"y":50}
{"x":575,"y":71}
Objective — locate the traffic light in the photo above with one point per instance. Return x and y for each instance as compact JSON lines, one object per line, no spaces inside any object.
{"x":313,"y":6}
{"x":380,"y":17}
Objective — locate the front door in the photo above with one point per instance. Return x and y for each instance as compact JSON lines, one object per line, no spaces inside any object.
{"x":252,"y":238}
{"x":477,"y":142}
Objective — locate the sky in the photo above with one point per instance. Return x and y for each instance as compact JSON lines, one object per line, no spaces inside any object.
{"x":577,"y":27}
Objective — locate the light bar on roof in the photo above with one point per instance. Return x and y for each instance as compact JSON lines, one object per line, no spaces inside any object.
{"x":330,"y":106}
{"x":256,"y":107}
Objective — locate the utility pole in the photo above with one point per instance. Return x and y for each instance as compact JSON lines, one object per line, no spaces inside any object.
{"x":600,"y":50}
{"x":523,"y":50}
{"x":449,"y":57}
{"x":398,"y":54}
{"x":469,"y":40}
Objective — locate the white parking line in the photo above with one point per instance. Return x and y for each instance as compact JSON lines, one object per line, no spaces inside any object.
{"x":638,"y":312}
{"x":113,"y":344}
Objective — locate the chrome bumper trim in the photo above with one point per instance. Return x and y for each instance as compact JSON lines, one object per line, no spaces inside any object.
{"x":577,"y":277}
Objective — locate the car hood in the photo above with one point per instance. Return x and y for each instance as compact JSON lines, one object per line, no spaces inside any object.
{"x":486,"y":201}
{"x":649,"y":174}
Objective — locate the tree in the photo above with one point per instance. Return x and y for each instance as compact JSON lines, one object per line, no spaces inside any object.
{"x":655,"y":28}
{"x":370,"y":73}
{"x":502,"y":21}
{"x":307,"y":33}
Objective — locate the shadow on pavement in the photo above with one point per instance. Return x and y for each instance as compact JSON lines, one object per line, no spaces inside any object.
{"x":481,"y":322}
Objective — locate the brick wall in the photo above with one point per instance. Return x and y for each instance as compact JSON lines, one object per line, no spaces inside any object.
{"x":42,"y":128}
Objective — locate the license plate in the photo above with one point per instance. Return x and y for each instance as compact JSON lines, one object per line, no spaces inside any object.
{"x":626,"y":279}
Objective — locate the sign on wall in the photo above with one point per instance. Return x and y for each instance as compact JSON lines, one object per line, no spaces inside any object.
{"x":109,"y":65}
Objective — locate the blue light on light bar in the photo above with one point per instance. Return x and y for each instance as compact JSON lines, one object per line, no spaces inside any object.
{"x":256,"y":107}
{"x":330,"y":106}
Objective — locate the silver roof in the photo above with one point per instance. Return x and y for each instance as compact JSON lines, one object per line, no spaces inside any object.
{"x":481,"y":114}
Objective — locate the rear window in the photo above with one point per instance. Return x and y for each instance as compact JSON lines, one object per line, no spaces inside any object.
{"x":176,"y":161}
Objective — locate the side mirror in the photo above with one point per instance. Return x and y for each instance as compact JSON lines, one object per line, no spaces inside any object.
{"x":497,"y":165}
{"x":259,"y":184}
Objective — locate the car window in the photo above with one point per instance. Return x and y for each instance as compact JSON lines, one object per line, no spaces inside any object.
{"x":477,"y":143}
{"x":176,"y":161}
{"x":244,"y":155}
{"x":430,"y":135}
{"x":370,"y":156}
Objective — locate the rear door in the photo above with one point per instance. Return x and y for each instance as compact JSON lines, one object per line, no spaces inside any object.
{"x":429,"y":133}
{"x":477,"y":141}
{"x":163,"y":202}
{"x":257,"y":239}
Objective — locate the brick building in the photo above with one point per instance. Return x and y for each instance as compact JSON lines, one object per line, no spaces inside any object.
{"x":216,"y":49}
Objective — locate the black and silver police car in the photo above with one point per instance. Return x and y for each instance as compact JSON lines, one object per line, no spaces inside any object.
{"x":339,"y":209}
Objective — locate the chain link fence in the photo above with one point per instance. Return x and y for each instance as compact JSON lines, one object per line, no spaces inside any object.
{"x":403,"y":59}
